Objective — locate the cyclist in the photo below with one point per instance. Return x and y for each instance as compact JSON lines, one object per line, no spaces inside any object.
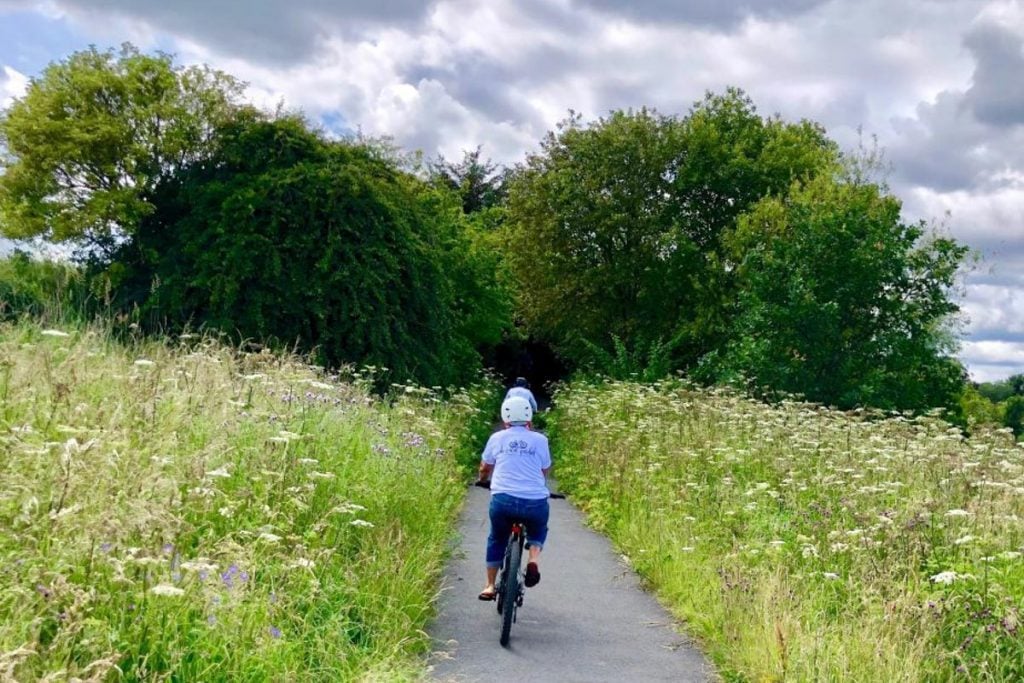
{"x":522,"y":388}
{"x":519,"y":460}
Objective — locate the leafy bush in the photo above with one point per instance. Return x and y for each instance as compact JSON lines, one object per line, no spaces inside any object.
{"x":39,"y":288}
{"x":290,"y":239}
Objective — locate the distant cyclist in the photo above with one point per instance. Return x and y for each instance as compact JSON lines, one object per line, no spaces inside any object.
{"x":517,"y":461}
{"x":522,"y":388}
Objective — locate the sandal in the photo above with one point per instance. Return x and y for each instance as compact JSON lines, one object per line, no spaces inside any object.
{"x":532,"y":575}
{"x":486,"y":594}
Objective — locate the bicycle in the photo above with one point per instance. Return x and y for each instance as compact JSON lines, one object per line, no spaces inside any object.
{"x":511,"y":575}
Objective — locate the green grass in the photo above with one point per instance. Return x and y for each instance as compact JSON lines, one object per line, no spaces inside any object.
{"x":802,"y":544}
{"x":188,"y":512}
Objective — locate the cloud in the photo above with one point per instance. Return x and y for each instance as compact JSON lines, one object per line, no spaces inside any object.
{"x":12,"y":84}
{"x":713,"y":13}
{"x":993,"y":360}
{"x":267,"y":31}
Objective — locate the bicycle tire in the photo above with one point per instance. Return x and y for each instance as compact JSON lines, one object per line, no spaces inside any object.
{"x":510,"y":588}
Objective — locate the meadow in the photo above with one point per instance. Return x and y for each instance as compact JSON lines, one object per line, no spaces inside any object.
{"x":188,"y":511}
{"x":798,"y":543}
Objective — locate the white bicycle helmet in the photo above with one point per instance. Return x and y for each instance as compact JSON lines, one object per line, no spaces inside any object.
{"x":516,"y":410}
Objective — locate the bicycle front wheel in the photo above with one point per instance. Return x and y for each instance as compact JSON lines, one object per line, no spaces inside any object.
{"x":510,"y":588}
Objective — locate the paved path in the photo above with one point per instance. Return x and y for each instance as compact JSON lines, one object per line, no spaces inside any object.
{"x":606,"y":629}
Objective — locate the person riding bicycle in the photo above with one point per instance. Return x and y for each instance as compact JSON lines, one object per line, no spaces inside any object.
{"x":517,"y":461}
{"x":522,"y":388}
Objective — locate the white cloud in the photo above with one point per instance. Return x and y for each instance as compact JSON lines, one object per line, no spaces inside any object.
{"x":12,"y":85}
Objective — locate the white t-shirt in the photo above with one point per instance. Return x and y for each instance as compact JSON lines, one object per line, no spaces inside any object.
{"x":525,"y":393}
{"x":518,"y":456}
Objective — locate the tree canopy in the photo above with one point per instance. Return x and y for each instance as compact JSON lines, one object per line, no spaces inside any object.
{"x":282,"y":235}
{"x":615,"y":228}
{"x":93,"y":136}
{"x":842,"y":301}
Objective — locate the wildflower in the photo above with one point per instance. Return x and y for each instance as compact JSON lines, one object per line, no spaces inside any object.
{"x":957,"y":513}
{"x":831,"y":576}
{"x":144,"y":363}
{"x":301,"y":563}
{"x":308,"y":461}
{"x":269,"y":537}
{"x":275,"y":632}
{"x":944,"y":577}
{"x":221,"y":472}
{"x":963,"y":540}
{"x":166,"y":589}
{"x":1009,"y":555}
{"x":321,"y":475}
{"x":54,"y":333}
{"x":361,"y":522}
{"x":198,"y":566}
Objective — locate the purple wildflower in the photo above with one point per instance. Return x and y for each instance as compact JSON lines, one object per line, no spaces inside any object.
{"x":275,"y":632}
{"x":106,"y":547}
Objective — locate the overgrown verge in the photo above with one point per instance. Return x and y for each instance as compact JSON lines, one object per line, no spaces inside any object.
{"x":192,"y":512}
{"x":802,"y":544}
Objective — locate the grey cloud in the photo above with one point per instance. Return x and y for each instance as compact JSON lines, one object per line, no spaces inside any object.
{"x":720,"y":14}
{"x":260,"y":30}
{"x":495,"y":89}
{"x":996,"y":96}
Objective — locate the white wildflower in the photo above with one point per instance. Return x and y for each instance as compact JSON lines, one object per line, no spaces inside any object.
{"x":308,"y":461}
{"x":831,"y":576}
{"x":198,"y":565}
{"x":221,"y":472}
{"x":361,"y":522}
{"x":944,"y":577}
{"x":963,"y":540}
{"x":269,"y":537}
{"x":284,"y":434}
{"x":957,"y":513}
{"x":54,"y":333}
{"x":1009,"y":555}
{"x":321,"y":475}
{"x":166,"y":589}
{"x":144,"y":363}
{"x":302,"y":563}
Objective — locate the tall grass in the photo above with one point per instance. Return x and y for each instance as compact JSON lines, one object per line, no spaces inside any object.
{"x":803,"y":544}
{"x":189,"y":512}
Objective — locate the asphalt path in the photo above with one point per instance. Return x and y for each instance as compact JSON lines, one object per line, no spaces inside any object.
{"x":588,"y":619}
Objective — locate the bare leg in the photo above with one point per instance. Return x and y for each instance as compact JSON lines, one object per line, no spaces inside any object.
{"x":534,"y":553}
{"x":492,"y":576}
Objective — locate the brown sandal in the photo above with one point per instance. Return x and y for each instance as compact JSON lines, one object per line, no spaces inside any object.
{"x":488,"y":594}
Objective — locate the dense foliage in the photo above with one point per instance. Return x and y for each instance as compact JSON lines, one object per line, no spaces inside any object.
{"x":95,"y":133}
{"x":283,"y":236}
{"x":839,"y":300}
{"x":617,"y":225}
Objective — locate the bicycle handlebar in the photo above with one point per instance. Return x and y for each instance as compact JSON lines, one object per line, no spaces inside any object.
{"x":486,"y":484}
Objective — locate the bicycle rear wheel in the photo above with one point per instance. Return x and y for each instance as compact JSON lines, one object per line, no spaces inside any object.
{"x":510,"y":587}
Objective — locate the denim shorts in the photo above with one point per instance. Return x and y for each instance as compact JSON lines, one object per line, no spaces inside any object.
{"x":506,"y":509}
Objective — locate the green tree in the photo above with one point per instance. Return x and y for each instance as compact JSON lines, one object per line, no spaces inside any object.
{"x":285,"y":236}
{"x":480,"y":183}
{"x":95,"y":133}
{"x":1013,"y":414}
{"x":842,"y":301}
{"x":614,"y":228}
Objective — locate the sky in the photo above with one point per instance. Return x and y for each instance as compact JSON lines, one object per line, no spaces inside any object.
{"x":939,"y":84}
